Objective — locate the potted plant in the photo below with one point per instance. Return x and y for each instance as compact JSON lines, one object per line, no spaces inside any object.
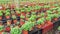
{"x":48,"y":19}
{"x":37,"y":8}
{"x":40,"y":22}
{"x":55,"y":17}
{"x":46,"y":7}
{"x":27,"y":26}
{"x":7,"y":15}
{"x":17,"y":12}
{"x":14,"y":19}
{"x":28,"y":10}
{"x":15,"y":30}
{"x":23,"y":11}
{"x":22,"y":21}
{"x":32,"y":18}
{"x":9,"y":22}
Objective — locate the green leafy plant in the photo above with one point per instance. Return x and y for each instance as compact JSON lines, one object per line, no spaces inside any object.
{"x":33,"y":13}
{"x":1,"y":14}
{"x":1,"y":28}
{"x":33,"y":17}
{"x":7,"y":11}
{"x":55,"y":15}
{"x":22,"y":16}
{"x":48,"y":18}
{"x":42,"y":14}
{"x":49,"y":11}
{"x":41,"y":21}
{"x":59,"y":28}
{"x":46,"y":6}
{"x":13,"y":17}
{"x":37,"y":7}
{"x":7,"y":14}
{"x":15,"y":30}
{"x":22,"y":9}
{"x":28,"y":25}
{"x":29,"y":9}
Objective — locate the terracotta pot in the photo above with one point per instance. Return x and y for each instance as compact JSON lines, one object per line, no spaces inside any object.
{"x":8,"y":29}
{"x":41,"y":4}
{"x":18,"y":14}
{"x":48,"y":22}
{"x":0,"y":17}
{"x":38,"y":26}
{"x":55,"y":19}
{"x":7,"y":17}
{"x":15,"y":21}
{"x":26,"y":18}
{"x":23,"y":13}
{"x":24,"y":32}
{"x":21,"y":22}
{"x":0,"y":32}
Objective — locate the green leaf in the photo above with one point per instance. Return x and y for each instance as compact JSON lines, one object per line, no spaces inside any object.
{"x":14,"y":31}
{"x":1,"y":14}
{"x":59,"y":28}
{"x":1,"y":28}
